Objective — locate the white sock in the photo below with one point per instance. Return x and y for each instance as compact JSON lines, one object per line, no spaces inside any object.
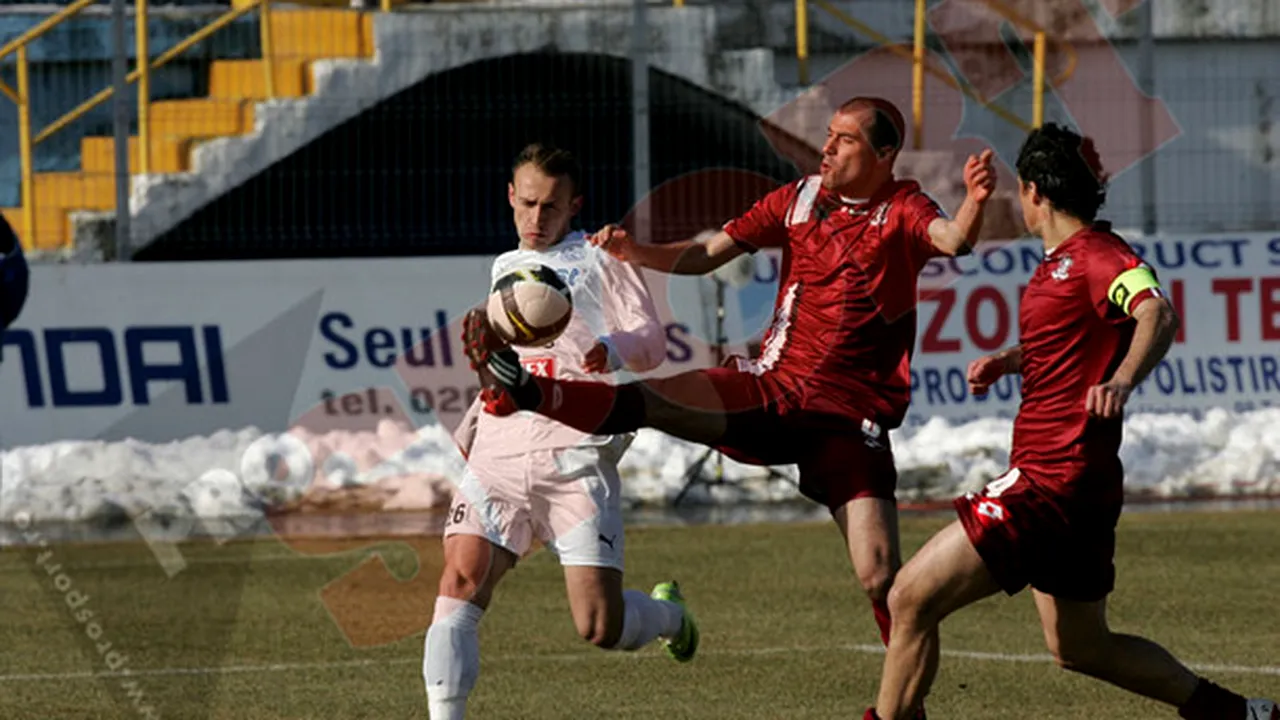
{"x":451,"y":657}
{"x":645,"y":619}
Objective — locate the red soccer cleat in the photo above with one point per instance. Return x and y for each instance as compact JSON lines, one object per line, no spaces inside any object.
{"x":497,"y":401}
{"x":479,"y":340}
{"x":496,"y":364}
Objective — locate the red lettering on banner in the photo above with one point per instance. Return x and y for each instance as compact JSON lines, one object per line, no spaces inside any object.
{"x":1179,"y":307}
{"x":1270,"y":308}
{"x":973,"y":306}
{"x":932,"y":342}
{"x":1099,"y":89}
{"x":541,"y":367}
{"x":1232,"y":288}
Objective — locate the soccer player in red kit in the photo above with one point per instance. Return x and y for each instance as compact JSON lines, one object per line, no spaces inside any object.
{"x":1093,"y":323}
{"x":832,"y":377}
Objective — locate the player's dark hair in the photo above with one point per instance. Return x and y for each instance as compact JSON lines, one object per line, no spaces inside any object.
{"x":553,"y":161}
{"x":1066,"y":169}
{"x":888,"y":127}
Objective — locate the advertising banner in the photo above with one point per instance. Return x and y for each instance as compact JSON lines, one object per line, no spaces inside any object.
{"x":1226,"y":289}
{"x":159,"y":352}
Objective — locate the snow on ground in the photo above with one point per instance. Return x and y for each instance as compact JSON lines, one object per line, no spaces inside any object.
{"x":245,"y":472}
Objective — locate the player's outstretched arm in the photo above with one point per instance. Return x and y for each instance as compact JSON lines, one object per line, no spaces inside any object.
{"x":958,"y":235}
{"x":691,"y":257}
{"x":1157,"y":325}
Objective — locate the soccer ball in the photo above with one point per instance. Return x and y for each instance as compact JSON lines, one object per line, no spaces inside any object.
{"x":530,"y":306}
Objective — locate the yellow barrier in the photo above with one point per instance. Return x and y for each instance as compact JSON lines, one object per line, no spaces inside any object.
{"x":917,"y":80}
{"x":920,"y":64}
{"x":25,"y":145}
{"x":802,"y":40}
{"x":141,"y":74}
{"x":1037,"y":96}
{"x":144,"y":87}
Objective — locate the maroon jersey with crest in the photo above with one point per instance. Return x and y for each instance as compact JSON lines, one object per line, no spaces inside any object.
{"x":844,"y":323}
{"x":1075,"y":329}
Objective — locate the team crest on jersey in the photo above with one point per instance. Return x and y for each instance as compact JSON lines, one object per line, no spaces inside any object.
{"x":569,"y":276}
{"x":881,"y":215}
{"x":540,"y":366}
{"x":871,"y":435}
{"x":1063,"y":268}
{"x":574,"y":253}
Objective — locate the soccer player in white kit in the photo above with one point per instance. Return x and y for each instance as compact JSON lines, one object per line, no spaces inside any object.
{"x":531,"y":476}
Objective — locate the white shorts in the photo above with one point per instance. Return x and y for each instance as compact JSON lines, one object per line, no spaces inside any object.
{"x":570,"y":499}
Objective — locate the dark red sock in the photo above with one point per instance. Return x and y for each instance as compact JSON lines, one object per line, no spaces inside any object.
{"x":1211,"y":702}
{"x":590,"y":407}
{"x":881,"y":608}
{"x":871,"y":715}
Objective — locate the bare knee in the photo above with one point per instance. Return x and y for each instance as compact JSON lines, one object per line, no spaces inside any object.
{"x":471,"y":570}
{"x":461,"y":582}
{"x":910,"y":605}
{"x":876,"y":581}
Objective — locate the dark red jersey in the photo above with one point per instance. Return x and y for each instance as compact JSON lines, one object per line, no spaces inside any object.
{"x":844,"y":323}
{"x":1076,"y":328}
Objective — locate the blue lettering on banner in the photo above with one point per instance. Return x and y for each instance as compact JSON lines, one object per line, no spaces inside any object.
{"x":678,"y":348}
{"x":1196,"y":379}
{"x":1021,"y":258}
{"x":771,"y":262}
{"x":419,"y":346}
{"x":1274,"y":248}
{"x":1208,"y":253}
{"x":950,"y":386}
{"x":191,"y":370}
{"x":424,"y":346}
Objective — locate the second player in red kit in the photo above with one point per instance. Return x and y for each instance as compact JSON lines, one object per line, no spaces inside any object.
{"x":1093,"y":324}
{"x":832,"y":376}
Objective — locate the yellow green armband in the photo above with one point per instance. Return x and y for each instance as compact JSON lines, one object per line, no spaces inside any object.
{"x":1129,"y":283}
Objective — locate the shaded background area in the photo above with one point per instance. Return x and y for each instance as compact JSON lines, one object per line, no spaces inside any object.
{"x":425,"y":171}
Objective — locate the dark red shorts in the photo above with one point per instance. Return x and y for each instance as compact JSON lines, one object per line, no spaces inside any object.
{"x":1027,"y":534}
{"x":840,"y":459}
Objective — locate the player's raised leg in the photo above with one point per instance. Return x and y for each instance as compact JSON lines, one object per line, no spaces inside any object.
{"x":582,"y":492}
{"x":689,"y":405}
{"x":944,"y":576}
{"x":1080,"y":640}
{"x":451,"y":651}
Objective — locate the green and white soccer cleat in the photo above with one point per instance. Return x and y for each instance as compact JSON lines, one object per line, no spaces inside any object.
{"x":684,"y":645}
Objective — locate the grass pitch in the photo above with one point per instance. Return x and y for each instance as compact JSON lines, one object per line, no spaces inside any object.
{"x":324,"y":629}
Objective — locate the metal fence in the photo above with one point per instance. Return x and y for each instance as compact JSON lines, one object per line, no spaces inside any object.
{"x":329,"y":131}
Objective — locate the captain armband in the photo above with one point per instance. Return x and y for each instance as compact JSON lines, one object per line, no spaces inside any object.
{"x":1131,"y":283}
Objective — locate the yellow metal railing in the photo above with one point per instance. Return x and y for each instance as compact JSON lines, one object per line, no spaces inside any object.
{"x":141,"y":74}
{"x":921,"y":65}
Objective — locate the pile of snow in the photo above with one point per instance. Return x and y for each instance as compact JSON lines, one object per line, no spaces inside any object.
{"x":248,"y":473}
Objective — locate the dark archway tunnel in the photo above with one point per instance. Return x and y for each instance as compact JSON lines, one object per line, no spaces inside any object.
{"x":424,"y":172}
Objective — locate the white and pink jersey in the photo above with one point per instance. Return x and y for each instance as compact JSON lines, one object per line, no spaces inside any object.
{"x":611,"y":302}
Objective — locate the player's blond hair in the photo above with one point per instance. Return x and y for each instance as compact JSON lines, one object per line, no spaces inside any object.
{"x":554,"y":161}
